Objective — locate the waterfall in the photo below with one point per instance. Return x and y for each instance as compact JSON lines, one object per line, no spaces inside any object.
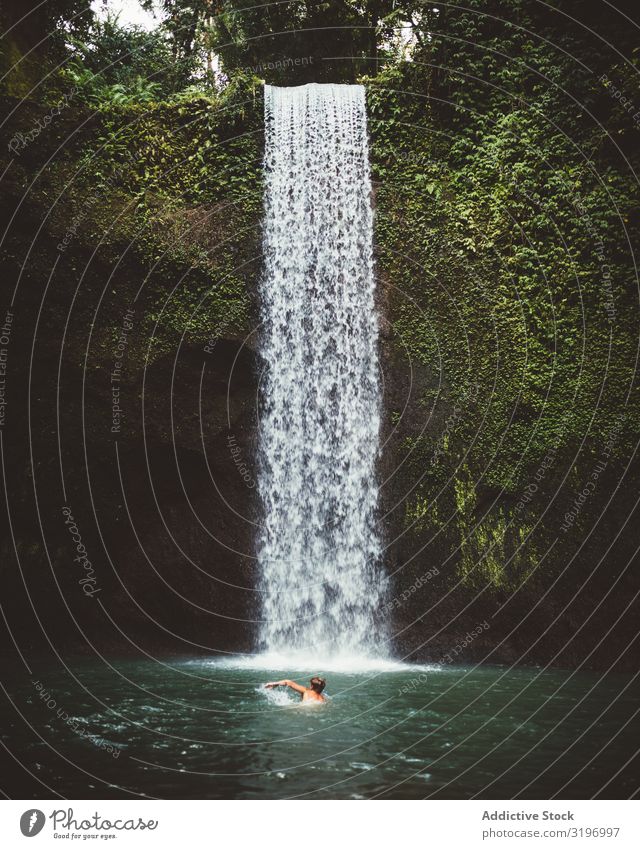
{"x":319,"y":548}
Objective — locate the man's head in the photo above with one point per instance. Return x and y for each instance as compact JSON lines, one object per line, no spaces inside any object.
{"x":318,"y":684}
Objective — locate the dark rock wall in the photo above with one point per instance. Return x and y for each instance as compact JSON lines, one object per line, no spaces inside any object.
{"x":157,"y":286}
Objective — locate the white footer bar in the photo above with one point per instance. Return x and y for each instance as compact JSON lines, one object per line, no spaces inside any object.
{"x":432,"y":824}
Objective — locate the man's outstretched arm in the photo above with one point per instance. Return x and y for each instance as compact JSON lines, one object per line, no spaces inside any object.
{"x":286,"y":683}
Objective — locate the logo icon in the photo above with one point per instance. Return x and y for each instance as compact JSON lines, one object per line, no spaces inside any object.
{"x":32,"y":822}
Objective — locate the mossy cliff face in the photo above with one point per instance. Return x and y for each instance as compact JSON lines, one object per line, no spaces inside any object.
{"x":132,"y":373}
{"x":507,"y":360}
{"x":505,"y":255}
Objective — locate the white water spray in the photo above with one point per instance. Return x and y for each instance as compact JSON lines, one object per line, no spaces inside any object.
{"x":319,"y":549}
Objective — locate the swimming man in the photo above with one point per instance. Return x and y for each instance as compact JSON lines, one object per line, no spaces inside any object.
{"x":309,"y":694}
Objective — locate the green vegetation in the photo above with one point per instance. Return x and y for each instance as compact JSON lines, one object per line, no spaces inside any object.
{"x":506,"y":194}
{"x":506,"y":222}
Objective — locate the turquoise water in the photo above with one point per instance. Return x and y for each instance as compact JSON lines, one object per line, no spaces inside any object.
{"x":194,"y":728}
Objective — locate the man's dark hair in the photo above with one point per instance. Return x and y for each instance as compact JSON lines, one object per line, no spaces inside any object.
{"x":318,"y":684}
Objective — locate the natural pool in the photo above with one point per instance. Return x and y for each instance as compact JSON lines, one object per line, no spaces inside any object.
{"x":196,"y":728}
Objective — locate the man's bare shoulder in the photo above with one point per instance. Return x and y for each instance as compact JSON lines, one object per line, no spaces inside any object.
{"x":310,"y":695}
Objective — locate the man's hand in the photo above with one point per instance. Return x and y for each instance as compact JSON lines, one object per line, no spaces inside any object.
{"x":286,"y":683}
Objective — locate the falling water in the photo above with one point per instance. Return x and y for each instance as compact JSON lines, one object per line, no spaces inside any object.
{"x":319,"y":548}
